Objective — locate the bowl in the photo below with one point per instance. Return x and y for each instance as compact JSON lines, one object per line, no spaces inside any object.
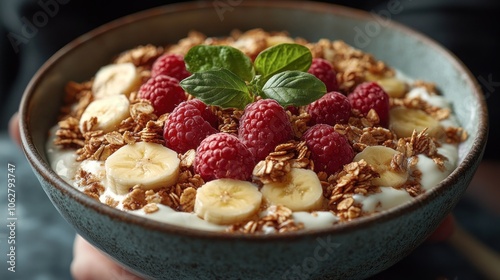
{"x":353,"y":250}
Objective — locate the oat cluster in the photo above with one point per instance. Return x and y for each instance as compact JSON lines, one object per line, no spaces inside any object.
{"x":352,"y":67}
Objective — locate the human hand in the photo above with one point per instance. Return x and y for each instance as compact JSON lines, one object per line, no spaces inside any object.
{"x":90,"y":263}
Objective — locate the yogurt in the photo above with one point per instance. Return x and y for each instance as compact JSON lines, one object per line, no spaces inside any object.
{"x":65,"y":165}
{"x":64,"y":162}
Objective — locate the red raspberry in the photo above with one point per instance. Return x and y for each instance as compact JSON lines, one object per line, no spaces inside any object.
{"x":323,"y":70}
{"x":223,"y":155}
{"x":171,"y":65}
{"x":293,"y":110}
{"x":369,"y":95}
{"x":263,"y":125}
{"x":206,"y":112}
{"x":163,"y":92}
{"x":185,"y":127}
{"x":329,"y":149}
{"x":332,"y":108}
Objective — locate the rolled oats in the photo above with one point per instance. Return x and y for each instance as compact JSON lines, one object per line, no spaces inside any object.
{"x":352,"y":67}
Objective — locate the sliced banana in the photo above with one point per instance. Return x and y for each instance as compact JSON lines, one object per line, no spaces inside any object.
{"x":109,"y":111}
{"x":227,"y":201}
{"x":147,"y":164}
{"x":394,"y":87}
{"x":302,"y":191}
{"x":404,"y":120}
{"x":380,"y":157}
{"x":114,"y":79}
{"x":278,"y":39}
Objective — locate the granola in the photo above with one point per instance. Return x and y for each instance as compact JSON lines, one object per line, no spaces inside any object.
{"x":345,"y":195}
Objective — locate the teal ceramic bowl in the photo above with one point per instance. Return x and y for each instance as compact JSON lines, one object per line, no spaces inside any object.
{"x":352,"y":250}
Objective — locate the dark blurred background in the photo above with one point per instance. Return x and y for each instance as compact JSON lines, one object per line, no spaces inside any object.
{"x":466,"y":27}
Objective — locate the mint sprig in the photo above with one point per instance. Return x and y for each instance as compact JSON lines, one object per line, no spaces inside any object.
{"x":293,"y":88}
{"x":225,"y":76}
{"x":283,"y":57}
{"x":219,"y":87}
{"x":203,"y":58}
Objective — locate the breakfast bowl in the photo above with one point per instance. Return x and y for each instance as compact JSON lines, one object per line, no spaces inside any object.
{"x":356,"y":249}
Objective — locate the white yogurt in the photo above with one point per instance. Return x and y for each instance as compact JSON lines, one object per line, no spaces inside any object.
{"x":183,"y":219}
{"x":387,"y":198}
{"x":434,"y":100}
{"x":64,"y":163}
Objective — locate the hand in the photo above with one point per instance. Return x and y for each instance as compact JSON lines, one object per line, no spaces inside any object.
{"x":90,"y":263}
{"x":444,"y":230}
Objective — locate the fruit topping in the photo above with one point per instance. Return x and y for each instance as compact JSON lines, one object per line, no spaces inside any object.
{"x":170,"y":65}
{"x":146,"y":164}
{"x":114,"y":79}
{"x":332,"y":108}
{"x":369,"y":95}
{"x":403,"y":121}
{"x":223,"y":155}
{"x":300,"y":191}
{"x":263,"y":126}
{"x":163,"y":92}
{"x":227,"y":201}
{"x":381,"y":158}
{"x":329,"y":149}
{"x":323,"y":70}
{"x":187,"y":126}
{"x":109,"y":112}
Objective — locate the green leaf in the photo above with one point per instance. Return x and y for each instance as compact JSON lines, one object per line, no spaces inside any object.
{"x":283,"y":57}
{"x":219,"y":87}
{"x":256,"y":84}
{"x":203,"y":58}
{"x":294,"y":88}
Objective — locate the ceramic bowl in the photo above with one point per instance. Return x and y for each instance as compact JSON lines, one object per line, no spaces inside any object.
{"x":352,"y":250}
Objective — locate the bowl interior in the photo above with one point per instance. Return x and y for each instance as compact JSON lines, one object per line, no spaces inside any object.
{"x":401,"y":48}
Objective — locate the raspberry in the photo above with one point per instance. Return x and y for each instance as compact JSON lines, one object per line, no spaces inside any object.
{"x":329,"y":149}
{"x":369,"y":95}
{"x":263,"y":125}
{"x":223,"y":155}
{"x":163,"y":92}
{"x":171,"y":65}
{"x":185,"y":127}
{"x":206,"y":112}
{"x":294,"y":110}
{"x":323,"y":70}
{"x":332,"y":108}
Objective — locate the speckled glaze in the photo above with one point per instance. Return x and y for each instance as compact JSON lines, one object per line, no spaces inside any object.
{"x":354,"y":250}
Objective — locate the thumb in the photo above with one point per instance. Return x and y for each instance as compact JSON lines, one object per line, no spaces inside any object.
{"x":14,"y":133}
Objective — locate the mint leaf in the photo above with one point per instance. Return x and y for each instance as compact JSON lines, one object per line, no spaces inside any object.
{"x":256,"y":84}
{"x":219,"y":87}
{"x":203,"y":58}
{"x":293,"y":88}
{"x":283,"y":57}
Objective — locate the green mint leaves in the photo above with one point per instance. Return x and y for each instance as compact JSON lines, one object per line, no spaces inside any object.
{"x":226,"y":77}
{"x":293,"y":88}
{"x":219,"y":87}
{"x":202,"y":58}
{"x":281,"y":58}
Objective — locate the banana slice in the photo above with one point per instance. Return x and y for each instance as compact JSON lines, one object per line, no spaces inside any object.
{"x":302,"y":191}
{"x":114,"y":79}
{"x":394,"y":87}
{"x":147,"y":164}
{"x":109,"y":111}
{"x":380,"y":157}
{"x":404,"y":120}
{"x":227,"y":201}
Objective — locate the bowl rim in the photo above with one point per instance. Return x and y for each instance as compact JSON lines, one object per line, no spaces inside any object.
{"x":44,"y":170}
